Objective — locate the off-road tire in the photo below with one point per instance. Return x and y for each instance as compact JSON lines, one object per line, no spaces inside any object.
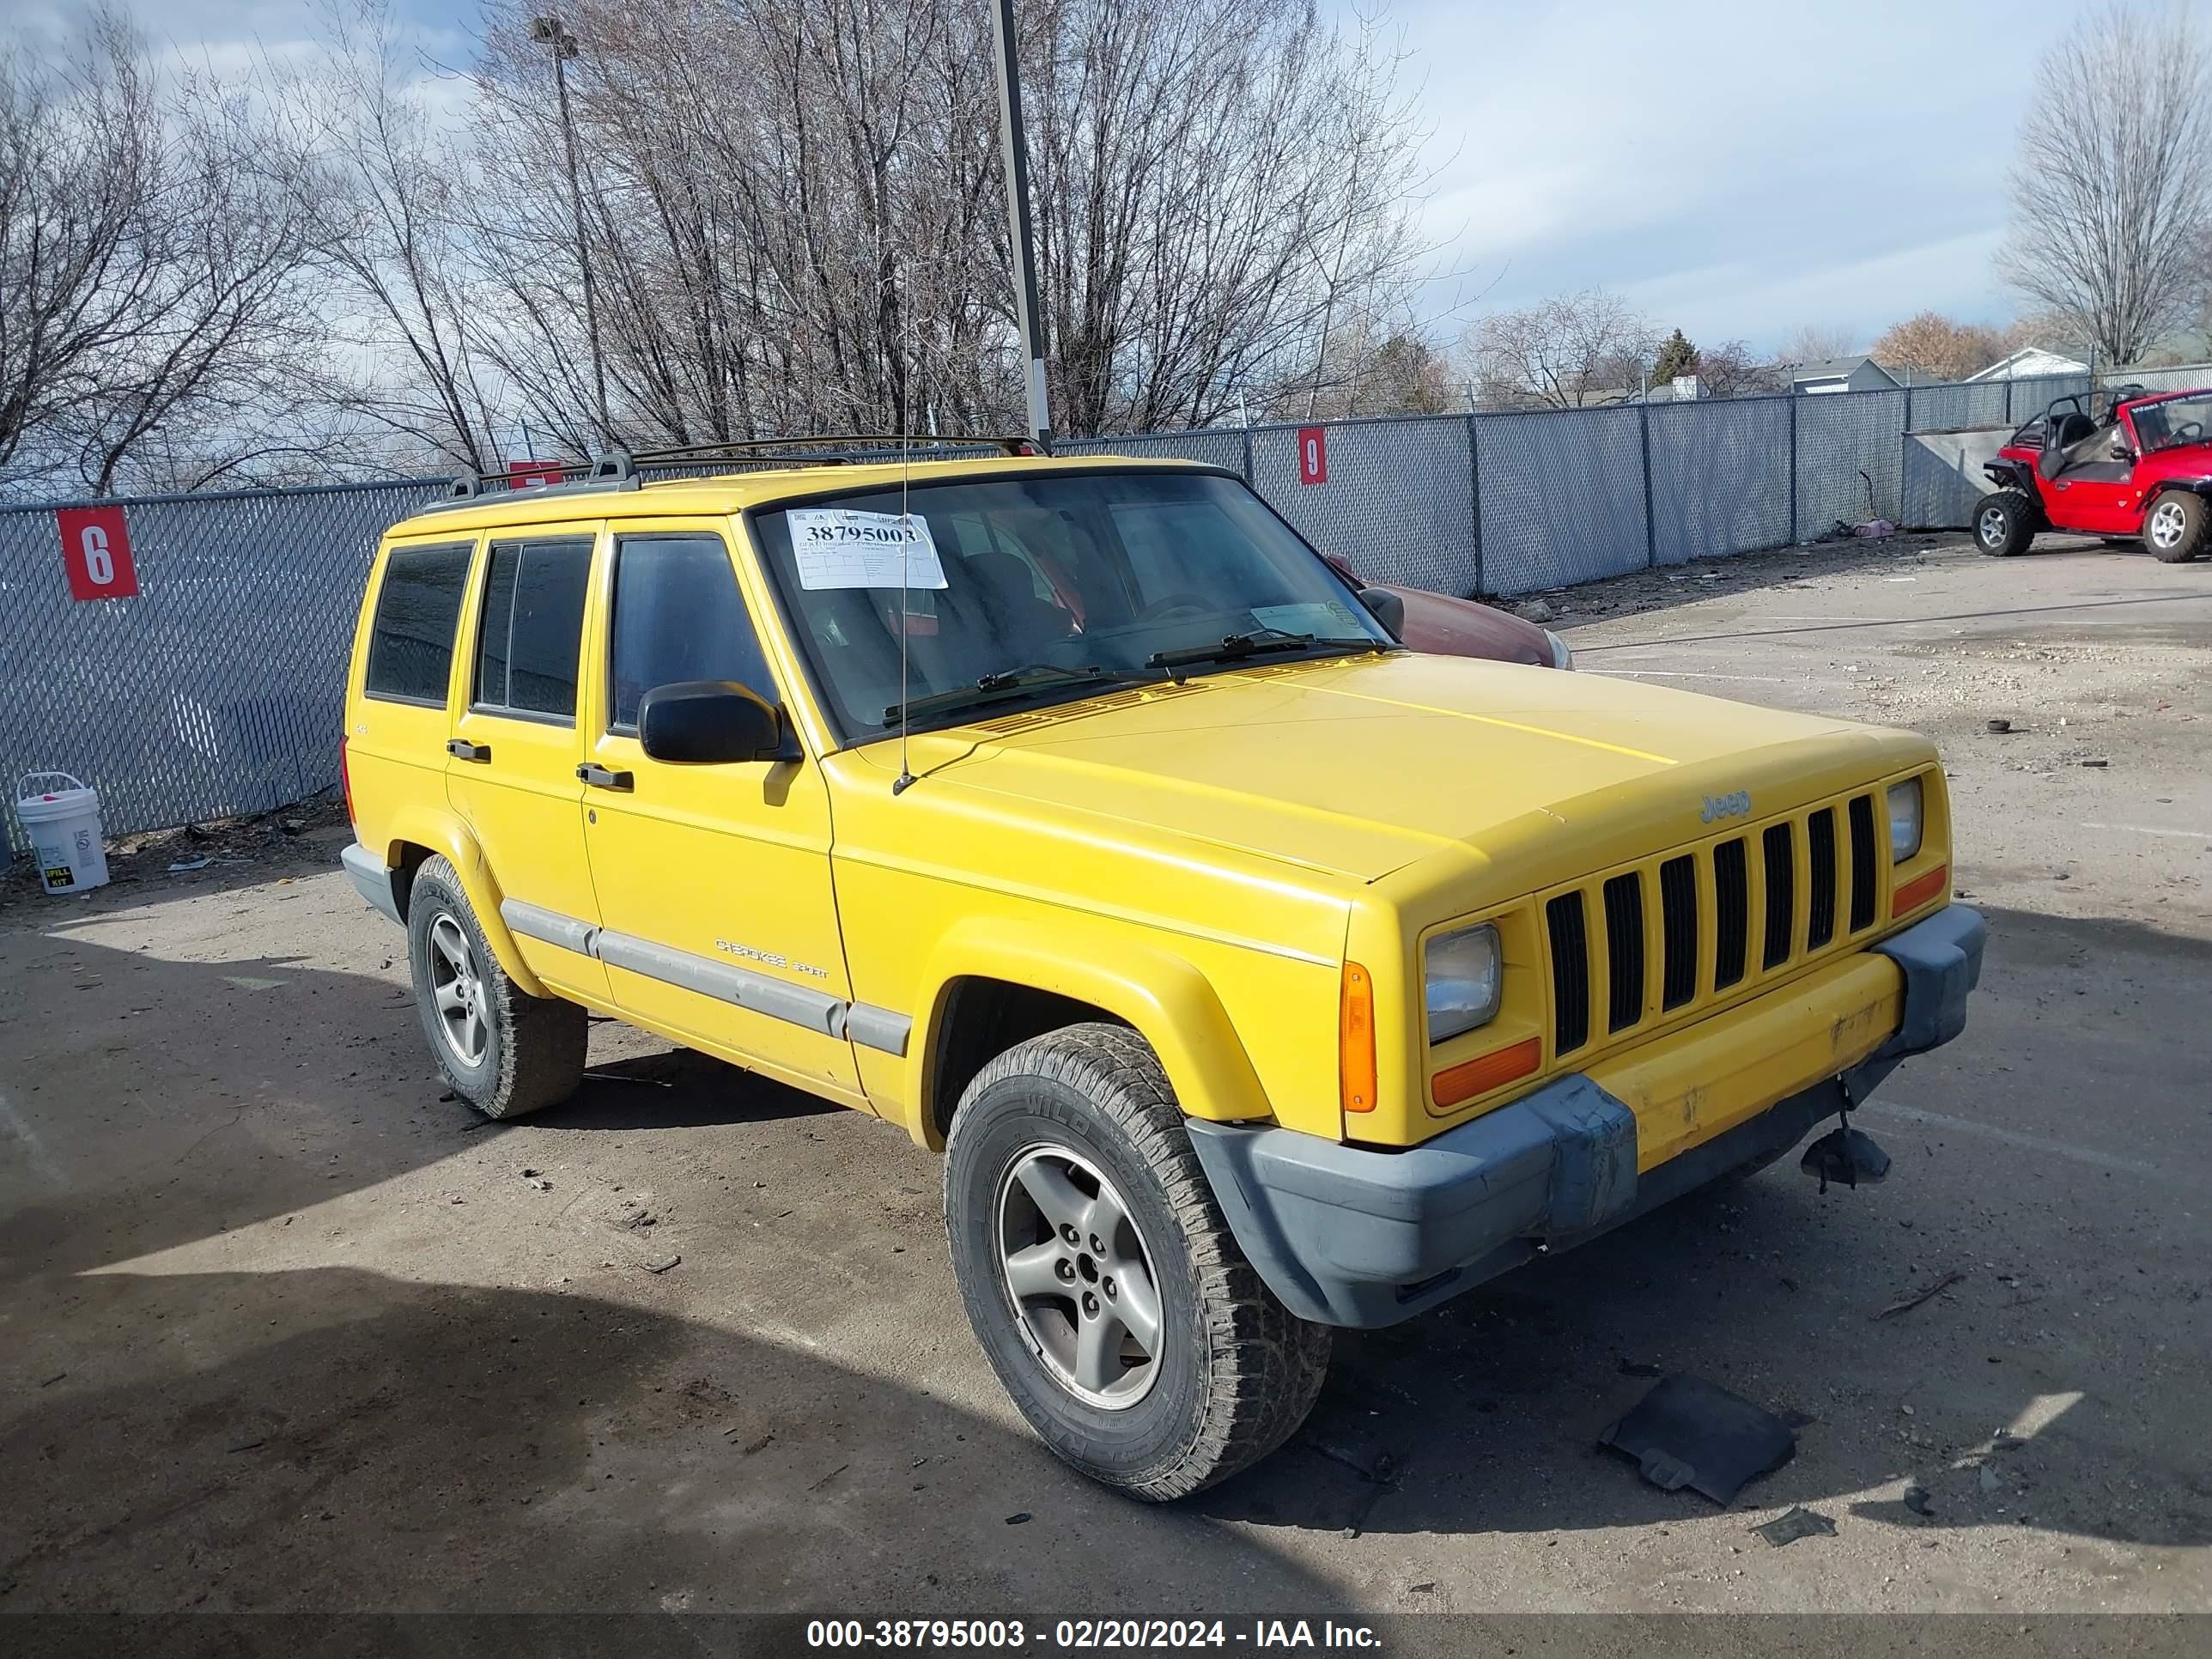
{"x":1237,"y":1372}
{"x":2005,"y":521}
{"x":533,"y":1057}
{"x":2196,"y":517}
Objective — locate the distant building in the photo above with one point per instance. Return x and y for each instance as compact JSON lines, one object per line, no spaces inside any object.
{"x":2029,"y":363}
{"x":1842,"y":374}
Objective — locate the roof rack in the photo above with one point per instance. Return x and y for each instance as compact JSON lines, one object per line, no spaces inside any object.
{"x":618,"y":468}
{"x":613,"y":470}
{"x":707,"y":452}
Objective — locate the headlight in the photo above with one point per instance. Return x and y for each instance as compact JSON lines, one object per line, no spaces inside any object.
{"x":1463,"y":972}
{"x":1904,"y":820}
{"x":1562,"y":655}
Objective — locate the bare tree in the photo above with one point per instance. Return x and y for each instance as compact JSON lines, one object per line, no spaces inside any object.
{"x":1567,"y":352}
{"x":797,"y":222}
{"x":153,"y":323}
{"x":80,"y":156}
{"x":1933,"y":347}
{"x":2111,"y":192}
{"x":1818,"y":342}
{"x":1730,"y":370}
{"x":385,"y":186}
{"x":1220,"y":184}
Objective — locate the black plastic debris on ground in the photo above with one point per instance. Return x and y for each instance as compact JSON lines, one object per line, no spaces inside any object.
{"x":1794,"y":1523}
{"x":1689,"y":1432}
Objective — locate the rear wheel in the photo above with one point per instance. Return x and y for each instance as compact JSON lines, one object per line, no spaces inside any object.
{"x":2174,"y":528}
{"x":2005,"y":522}
{"x":502,"y":1050}
{"x":1104,"y":1285}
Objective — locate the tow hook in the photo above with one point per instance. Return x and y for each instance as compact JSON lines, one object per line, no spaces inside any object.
{"x":1851,"y":1158}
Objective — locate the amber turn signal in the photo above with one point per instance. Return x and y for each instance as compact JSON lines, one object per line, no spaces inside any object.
{"x":1918,"y":891}
{"x":1355,"y":1041}
{"x":1484,"y":1073}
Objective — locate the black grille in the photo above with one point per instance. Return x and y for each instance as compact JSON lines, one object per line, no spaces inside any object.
{"x":1821,"y":849}
{"x":1732,"y":902}
{"x":1781,"y":893}
{"x":1624,"y":944}
{"x":1571,"y":1009}
{"x":1864,"y":874}
{"x":1678,"y":922}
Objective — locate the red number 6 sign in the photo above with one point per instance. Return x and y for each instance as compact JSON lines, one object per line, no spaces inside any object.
{"x":96,"y":553}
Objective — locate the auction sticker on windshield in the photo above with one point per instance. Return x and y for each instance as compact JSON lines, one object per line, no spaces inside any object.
{"x":1306,"y":618}
{"x":844,"y":547}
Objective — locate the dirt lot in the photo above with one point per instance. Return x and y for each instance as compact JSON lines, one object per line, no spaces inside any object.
{"x":283,"y":1329}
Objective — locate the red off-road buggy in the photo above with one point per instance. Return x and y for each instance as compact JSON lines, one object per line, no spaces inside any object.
{"x":2125,"y":465}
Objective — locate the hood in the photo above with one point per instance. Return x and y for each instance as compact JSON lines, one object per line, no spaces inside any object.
{"x":1444,"y":626}
{"x":1359,"y":767}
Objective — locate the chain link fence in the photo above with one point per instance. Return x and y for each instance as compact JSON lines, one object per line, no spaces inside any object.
{"x":217,"y":688}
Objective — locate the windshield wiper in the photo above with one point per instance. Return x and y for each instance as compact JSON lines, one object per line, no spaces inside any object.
{"x":1003,"y":683}
{"x":1235,"y":646}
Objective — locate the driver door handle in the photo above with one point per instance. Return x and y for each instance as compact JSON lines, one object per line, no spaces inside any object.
{"x":600,"y":778}
{"x":462,"y":749}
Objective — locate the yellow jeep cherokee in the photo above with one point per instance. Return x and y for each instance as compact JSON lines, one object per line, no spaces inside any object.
{"x":1254,"y":975}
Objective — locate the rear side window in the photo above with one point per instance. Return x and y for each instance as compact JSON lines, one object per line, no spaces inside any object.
{"x":410,"y":642}
{"x":534,"y":627}
{"x":678,"y":615}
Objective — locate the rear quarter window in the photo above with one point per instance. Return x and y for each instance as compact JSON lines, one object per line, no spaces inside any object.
{"x":418,"y":610}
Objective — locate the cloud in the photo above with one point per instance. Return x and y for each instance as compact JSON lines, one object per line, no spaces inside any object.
{"x":1737,"y":167}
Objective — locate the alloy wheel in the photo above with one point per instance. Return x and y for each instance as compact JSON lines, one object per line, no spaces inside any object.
{"x":2167,"y":525}
{"x":1079,"y":1276}
{"x":457,"y":990}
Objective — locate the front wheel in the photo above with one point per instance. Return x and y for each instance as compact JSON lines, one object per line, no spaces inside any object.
{"x":2005,"y":522}
{"x":2174,"y":528}
{"x":1101,"y":1279}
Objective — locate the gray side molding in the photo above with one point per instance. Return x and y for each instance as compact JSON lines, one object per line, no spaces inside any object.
{"x":549,"y":925}
{"x":816,"y":1011}
{"x":878,"y":1028}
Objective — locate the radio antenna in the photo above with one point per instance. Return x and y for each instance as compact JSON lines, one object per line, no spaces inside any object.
{"x":904,"y":781}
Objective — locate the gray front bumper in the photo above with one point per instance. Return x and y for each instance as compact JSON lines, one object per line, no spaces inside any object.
{"x":1347,"y":1235}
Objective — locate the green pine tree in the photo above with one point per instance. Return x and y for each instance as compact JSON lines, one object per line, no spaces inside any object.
{"x":1676,"y":357}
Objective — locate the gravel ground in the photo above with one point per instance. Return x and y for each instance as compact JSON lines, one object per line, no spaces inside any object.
{"x":286,"y":1330}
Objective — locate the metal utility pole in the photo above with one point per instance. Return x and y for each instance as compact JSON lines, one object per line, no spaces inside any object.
{"x":1015,"y":150}
{"x":548,"y":32}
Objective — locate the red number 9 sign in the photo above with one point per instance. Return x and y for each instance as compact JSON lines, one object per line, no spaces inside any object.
{"x":96,"y":553}
{"x":1313,"y":454}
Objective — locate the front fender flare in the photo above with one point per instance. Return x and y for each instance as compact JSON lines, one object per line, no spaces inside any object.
{"x":1163,"y":996}
{"x":423,"y":826}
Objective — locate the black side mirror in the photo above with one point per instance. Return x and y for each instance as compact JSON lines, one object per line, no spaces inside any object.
{"x":703,"y":722}
{"x":1388,"y":608}
{"x":2120,"y":452}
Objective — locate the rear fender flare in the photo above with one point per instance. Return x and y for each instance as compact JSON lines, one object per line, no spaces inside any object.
{"x":442,"y":833}
{"x":2011,"y":474}
{"x":1163,"y":997}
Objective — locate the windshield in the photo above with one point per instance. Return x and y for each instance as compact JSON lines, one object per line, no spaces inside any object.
{"x":1042,"y":587}
{"x":2172,"y":420}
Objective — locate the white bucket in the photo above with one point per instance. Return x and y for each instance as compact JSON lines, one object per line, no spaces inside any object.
{"x":62,"y":819}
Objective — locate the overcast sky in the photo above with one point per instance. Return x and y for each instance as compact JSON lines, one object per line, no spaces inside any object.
{"x":1738,"y":168}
